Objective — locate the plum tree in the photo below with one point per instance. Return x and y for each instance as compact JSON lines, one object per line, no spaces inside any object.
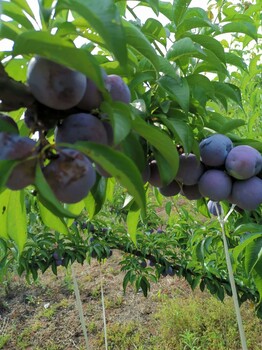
{"x":81,"y":127}
{"x":214,"y":149}
{"x":247,"y":194}
{"x":214,"y":208}
{"x":191,"y":192}
{"x":171,"y":189}
{"x":215,"y":184}
{"x":117,"y":88}
{"x":243,"y":162}
{"x":55,"y":85}
{"x":9,"y":123}
{"x":190,"y":169}
{"x":71,"y":175}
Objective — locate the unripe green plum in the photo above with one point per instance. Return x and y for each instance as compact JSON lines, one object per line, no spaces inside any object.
{"x":55,"y":85}
{"x":243,"y":162}
{"x":190,"y":169}
{"x":117,"y":88}
{"x":71,"y":176}
{"x":215,"y":184}
{"x":81,"y":127}
{"x":214,"y":149}
{"x":171,"y":189}
{"x":247,"y":194}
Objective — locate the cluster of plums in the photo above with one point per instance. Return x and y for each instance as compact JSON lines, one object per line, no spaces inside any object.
{"x":223,"y":173}
{"x":68,"y":102}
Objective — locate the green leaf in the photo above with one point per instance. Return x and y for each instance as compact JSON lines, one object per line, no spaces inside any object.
{"x":118,"y":165}
{"x":181,"y":130}
{"x":51,"y":220}
{"x":240,"y":27}
{"x":136,"y":39}
{"x":96,"y":197}
{"x":235,"y":60}
{"x":4,"y":200}
{"x":132,"y":221}
{"x":161,"y":142}
{"x":200,"y":87}
{"x":47,"y":197}
{"x":231,"y":125}
{"x":177,"y":89}
{"x":190,"y":23}
{"x":240,"y":248}
{"x":132,"y":148}
{"x":253,"y":254}
{"x":104,"y":17}
{"x":168,"y":208}
{"x":227,"y":91}
{"x":202,"y":207}
{"x":15,"y":12}
{"x":61,"y":51}
{"x":183,"y":47}
{"x":211,"y":44}
{"x":153,"y":4}
{"x":119,"y":114}
{"x":6,"y":167}
{"x":179,"y":9}
{"x":16,"y":218}
{"x":24,"y":6}
{"x":154,"y":30}
{"x":8,"y":30}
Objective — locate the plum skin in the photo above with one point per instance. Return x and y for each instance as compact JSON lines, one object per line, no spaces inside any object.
{"x":247,"y":194}
{"x":117,"y":88}
{"x":55,"y":85}
{"x":71,"y":176}
{"x":171,"y":189}
{"x":212,"y":208}
{"x":214,"y":149}
{"x":154,"y":178}
{"x":81,"y":127}
{"x":15,"y":147}
{"x":243,"y":162}
{"x":215,"y":184}
{"x":190,"y":169}
{"x":191,"y":192}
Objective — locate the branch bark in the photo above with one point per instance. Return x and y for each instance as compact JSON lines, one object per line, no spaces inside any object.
{"x":13,"y":94}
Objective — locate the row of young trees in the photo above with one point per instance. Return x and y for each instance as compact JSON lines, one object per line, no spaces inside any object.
{"x":126,"y":106}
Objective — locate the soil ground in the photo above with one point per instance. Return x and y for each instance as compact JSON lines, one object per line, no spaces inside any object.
{"x":44,"y":315}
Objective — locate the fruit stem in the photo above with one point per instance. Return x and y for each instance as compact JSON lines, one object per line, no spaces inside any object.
{"x":103,"y":309}
{"x":222,"y":220}
{"x":79,"y":307}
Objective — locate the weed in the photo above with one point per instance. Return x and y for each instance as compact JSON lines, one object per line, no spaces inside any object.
{"x":193,"y":323}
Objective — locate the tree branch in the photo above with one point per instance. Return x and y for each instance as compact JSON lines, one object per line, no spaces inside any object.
{"x":13,"y":94}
